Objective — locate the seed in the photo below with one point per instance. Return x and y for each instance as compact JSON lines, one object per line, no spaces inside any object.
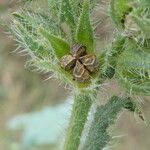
{"x":78,"y":50}
{"x":80,"y":73}
{"x":67,"y":62}
{"x":90,"y":62}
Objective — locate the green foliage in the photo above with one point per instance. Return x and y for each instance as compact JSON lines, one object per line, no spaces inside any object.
{"x":132,"y":17}
{"x":144,"y":25}
{"x":60,"y":46}
{"x":133,"y":69}
{"x":29,"y":41}
{"x":77,"y":7}
{"x":144,"y":3}
{"x":127,"y":59}
{"x":66,"y":13}
{"x":30,"y":28}
{"x":140,"y":20}
{"x":118,"y":10}
{"x":54,"y":7}
{"x":59,"y":73}
{"x":84,"y":33}
{"x":133,"y":64}
{"x":25,"y":27}
{"x":112,"y":54}
{"x":22,"y":19}
{"x":32,"y":20}
{"x":105,"y":115}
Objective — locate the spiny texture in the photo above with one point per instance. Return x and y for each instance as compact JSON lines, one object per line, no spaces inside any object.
{"x":84,"y":33}
{"x":133,"y":69}
{"x":118,"y":11}
{"x":133,"y":65}
{"x":78,"y":118}
{"x":38,"y":29}
{"x":112,"y":55}
{"x":131,"y":17}
{"x":104,"y":117}
{"x":44,"y":38}
{"x":48,"y":36}
{"x":67,"y":13}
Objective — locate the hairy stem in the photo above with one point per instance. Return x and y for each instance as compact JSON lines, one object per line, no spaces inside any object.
{"x":81,"y":107}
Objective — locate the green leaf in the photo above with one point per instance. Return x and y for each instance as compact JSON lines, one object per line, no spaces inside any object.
{"x":133,"y":70}
{"x":105,"y":115}
{"x":60,"y":46}
{"x":144,"y":25}
{"x":29,"y":42}
{"x":77,"y":5}
{"x":32,"y":20}
{"x":54,"y":7}
{"x":144,"y":3}
{"x":84,"y":33}
{"x":22,"y":19}
{"x":18,"y":16}
{"x":66,"y":14}
{"x":51,"y":66}
{"x":24,"y":28}
{"x":118,"y":10}
{"x":112,"y":54}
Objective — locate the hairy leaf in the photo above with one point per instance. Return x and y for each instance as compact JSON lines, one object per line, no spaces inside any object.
{"x":54,"y":7}
{"x":29,"y":42}
{"x":32,"y":20}
{"x":50,"y":66}
{"x":144,"y":25}
{"x":144,"y":3}
{"x":24,"y":29}
{"x":105,"y":115}
{"x":66,"y":13}
{"x":133,"y":70}
{"x":84,"y":33}
{"x":60,"y":46}
{"x":118,"y":10}
{"x":112,"y":55}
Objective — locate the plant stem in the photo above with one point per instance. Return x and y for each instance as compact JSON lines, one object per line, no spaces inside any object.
{"x":81,"y":107}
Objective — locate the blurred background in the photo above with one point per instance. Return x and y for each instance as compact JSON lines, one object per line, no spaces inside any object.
{"x":34,"y":111}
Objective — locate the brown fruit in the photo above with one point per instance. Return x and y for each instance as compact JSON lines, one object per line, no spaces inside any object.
{"x":78,"y":50}
{"x":67,"y":62}
{"x":80,"y":73}
{"x":90,"y":62}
